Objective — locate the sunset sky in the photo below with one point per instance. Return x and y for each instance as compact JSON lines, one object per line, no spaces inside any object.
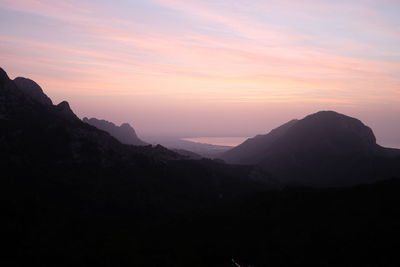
{"x":210,"y":67}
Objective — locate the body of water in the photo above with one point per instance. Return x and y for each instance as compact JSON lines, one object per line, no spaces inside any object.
{"x":219,"y":141}
{"x":390,"y":145}
{"x":234,"y":141}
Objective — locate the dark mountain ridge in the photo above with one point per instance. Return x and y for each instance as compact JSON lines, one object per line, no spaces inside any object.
{"x":73,"y":195}
{"x":68,"y":187}
{"x":325,"y":148}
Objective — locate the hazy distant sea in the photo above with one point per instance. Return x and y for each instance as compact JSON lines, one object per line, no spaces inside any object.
{"x":220,"y":141}
{"x":234,"y":141}
{"x":391,"y":145}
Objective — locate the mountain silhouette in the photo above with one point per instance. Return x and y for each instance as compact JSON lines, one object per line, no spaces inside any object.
{"x":124,"y":133}
{"x":58,"y":172}
{"x":33,"y":90}
{"x":36,"y":129}
{"x":73,"y":195}
{"x":325,"y":148}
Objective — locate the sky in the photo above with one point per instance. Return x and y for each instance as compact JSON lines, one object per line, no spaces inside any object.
{"x":211,"y":67}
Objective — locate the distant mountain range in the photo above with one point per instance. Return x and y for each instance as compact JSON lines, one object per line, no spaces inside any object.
{"x":73,"y":194}
{"x":325,"y":148}
{"x":124,"y":133}
{"x":35,"y":129}
{"x":127,"y":135}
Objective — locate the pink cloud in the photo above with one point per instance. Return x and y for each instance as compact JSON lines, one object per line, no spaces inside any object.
{"x":115,"y":60}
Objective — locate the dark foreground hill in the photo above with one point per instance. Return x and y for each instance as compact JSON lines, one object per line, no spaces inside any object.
{"x":356,"y":226}
{"x":325,"y":148}
{"x":72,"y":195}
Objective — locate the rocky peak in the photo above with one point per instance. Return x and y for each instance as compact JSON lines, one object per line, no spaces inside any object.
{"x":3,"y":77}
{"x":331,"y":123}
{"x":124,"y":133}
{"x":33,"y":90}
{"x":128,"y":128}
{"x":64,"y":105}
{"x":65,"y":109}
